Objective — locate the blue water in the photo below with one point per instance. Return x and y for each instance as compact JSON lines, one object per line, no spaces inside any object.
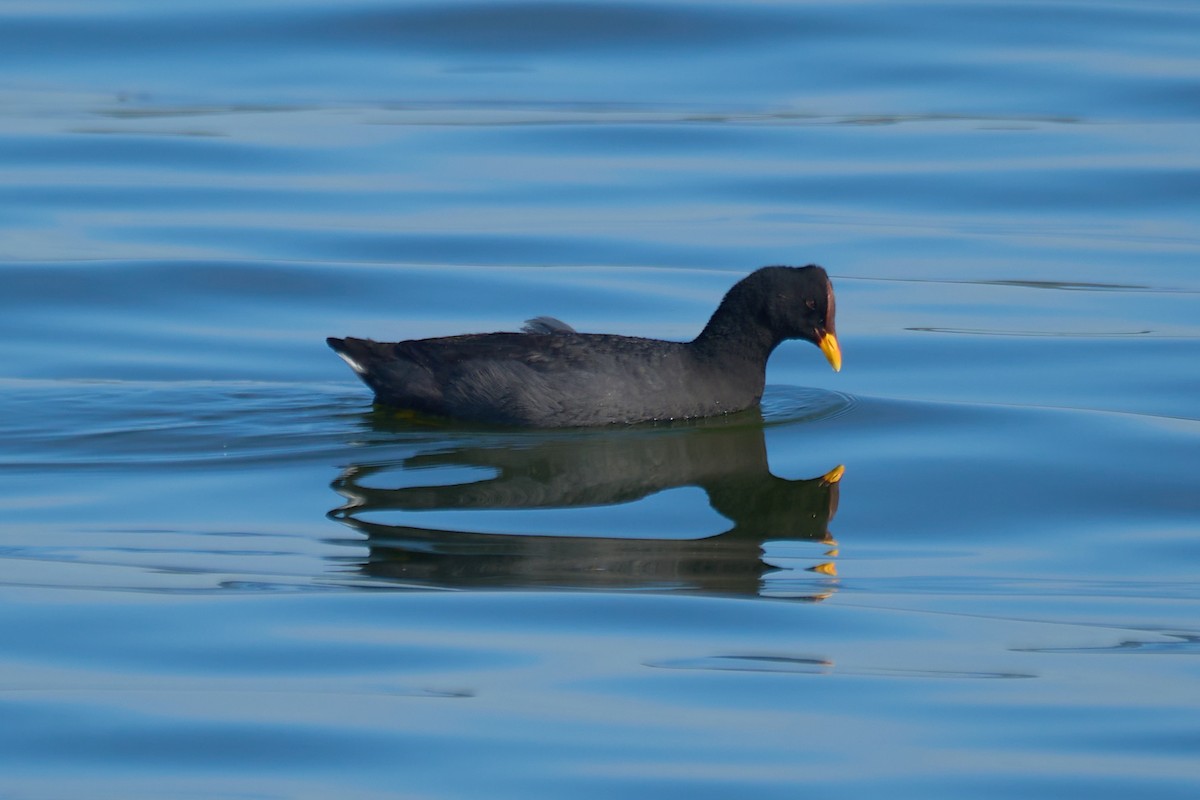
{"x":223,"y":574}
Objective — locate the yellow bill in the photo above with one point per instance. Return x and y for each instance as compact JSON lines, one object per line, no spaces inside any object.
{"x":834,"y":475}
{"x":833,"y":353}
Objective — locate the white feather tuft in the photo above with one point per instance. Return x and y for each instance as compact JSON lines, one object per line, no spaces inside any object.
{"x":354,"y":365}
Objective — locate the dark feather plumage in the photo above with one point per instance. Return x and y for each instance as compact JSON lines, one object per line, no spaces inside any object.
{"x":552,"y":376}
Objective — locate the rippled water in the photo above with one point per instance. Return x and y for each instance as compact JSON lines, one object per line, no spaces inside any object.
{"x":964,"y":566}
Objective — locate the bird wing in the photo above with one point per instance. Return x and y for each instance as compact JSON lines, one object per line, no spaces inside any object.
{"x":546,"y":325}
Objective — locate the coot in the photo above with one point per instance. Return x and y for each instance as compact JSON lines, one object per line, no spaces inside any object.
{"x":550,"y":376}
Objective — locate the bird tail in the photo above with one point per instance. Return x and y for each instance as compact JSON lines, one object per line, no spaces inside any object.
{"x":396,"y":381}
{"x":358,"y":353}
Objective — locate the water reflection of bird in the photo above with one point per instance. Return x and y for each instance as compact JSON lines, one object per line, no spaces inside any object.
{"x":551,"y":376}
{"x":726,"y":458}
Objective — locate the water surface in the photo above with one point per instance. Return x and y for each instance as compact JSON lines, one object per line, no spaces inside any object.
{"x":964,"y":566}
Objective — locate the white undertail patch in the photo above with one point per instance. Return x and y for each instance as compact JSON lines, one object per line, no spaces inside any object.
{"x":354,"y":365}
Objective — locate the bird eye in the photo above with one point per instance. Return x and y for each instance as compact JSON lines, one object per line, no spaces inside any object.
{"x":812,"y":304}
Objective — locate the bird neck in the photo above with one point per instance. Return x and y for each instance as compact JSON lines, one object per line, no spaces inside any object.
{"x":734,"y":330}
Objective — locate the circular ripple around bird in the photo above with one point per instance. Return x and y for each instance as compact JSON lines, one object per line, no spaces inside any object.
{"x":787,"y":405}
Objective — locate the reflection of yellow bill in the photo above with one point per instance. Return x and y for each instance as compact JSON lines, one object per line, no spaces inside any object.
{"x":833,"y":353}
{"x":834,"y":475}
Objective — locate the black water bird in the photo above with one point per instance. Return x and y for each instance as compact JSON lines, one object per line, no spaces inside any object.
{"x":550,"y":376}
